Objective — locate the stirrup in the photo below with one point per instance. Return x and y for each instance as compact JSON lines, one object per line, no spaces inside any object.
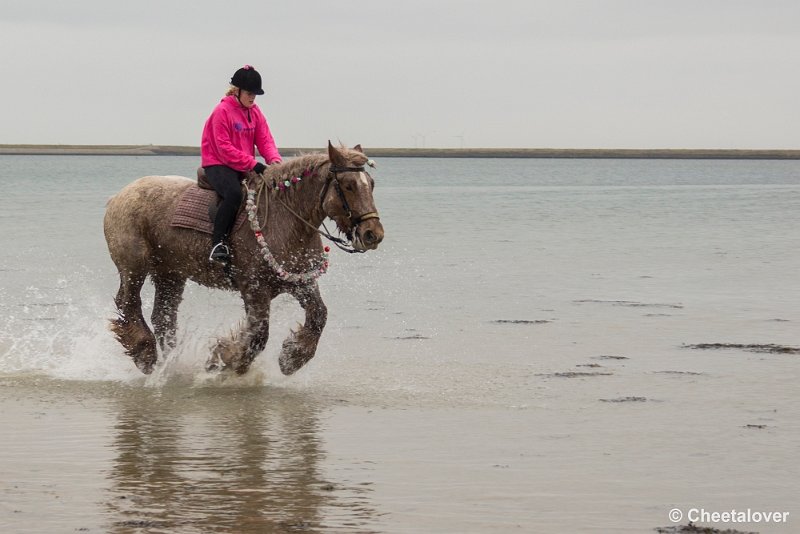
{"x":220,"y":253}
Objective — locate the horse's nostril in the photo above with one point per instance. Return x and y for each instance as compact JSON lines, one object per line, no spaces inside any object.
{"x":369,"y":236}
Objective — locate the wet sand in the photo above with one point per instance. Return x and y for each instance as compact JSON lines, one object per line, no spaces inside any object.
{"x":610,"y":443}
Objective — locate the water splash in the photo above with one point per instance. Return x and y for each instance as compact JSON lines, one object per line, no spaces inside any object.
{"x":60,"y":330}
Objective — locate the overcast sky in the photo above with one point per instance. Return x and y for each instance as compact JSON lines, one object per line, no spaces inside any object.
{"x":438,"y":73}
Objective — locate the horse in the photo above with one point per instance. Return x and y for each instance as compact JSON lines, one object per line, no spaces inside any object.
{"x":285,"y":254}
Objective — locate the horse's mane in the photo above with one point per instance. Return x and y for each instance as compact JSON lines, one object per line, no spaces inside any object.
{"x":307,"y":165}
{"x":282,"y":179}
{"x":296,"y":167}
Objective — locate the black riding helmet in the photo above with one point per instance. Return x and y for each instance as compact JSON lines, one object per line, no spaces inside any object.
{"x":249,"y":79}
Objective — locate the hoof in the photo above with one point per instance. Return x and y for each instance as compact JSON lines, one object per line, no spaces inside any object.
{"x":227,"y":354}
{"x":145,"y":366}
{"x":215,"y":364}
{"x":288,"y":365}
{"x":295,"y":354}
{"x":290,"y":361}
{"x":214,"y":367}
{"x":139,"y":343}
{"x":146,"y":358}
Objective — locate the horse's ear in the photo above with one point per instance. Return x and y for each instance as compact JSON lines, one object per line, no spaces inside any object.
{"x":335,"y":156}
{"x":358,"y":148}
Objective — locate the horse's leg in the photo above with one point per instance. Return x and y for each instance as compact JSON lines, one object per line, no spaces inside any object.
{"x":301,"y":345}
{"x":130,"y":327}
{"x":239,"y":351}
{"x":169,"y":293}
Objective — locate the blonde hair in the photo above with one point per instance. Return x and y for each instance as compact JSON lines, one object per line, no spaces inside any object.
{"x":232,"y":90}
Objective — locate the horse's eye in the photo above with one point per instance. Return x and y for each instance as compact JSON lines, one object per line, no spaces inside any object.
{"x":349,"y":188}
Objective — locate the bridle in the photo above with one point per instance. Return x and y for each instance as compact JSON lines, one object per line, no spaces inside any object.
{"x":355,"y":220}
{"x":333,"y":177}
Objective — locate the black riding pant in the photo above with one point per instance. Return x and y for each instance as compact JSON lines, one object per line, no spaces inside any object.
{"x":227,"y":184}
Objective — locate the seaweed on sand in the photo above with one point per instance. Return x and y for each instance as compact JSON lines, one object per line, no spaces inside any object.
{"x":765,"y":348}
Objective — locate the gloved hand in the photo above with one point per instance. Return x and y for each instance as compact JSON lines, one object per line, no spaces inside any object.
{"x":259,"y":168}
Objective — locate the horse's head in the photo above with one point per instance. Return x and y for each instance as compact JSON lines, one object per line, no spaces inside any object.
{"x":348,"y":198}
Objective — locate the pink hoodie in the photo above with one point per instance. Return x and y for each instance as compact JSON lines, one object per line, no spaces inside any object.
{"x":230,"y":134}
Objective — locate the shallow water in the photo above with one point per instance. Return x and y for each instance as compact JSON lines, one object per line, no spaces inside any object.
{"x":511,"y":359}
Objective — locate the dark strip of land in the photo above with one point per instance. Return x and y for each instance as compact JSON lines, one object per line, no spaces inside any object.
{"x":596,"y":153}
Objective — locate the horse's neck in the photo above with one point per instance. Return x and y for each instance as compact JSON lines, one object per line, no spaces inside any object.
{"x":303,"y":197}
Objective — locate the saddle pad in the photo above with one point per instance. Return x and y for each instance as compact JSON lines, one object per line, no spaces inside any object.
{"x":192,"y":211}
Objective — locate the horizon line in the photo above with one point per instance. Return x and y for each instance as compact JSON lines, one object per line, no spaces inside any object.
{"x":471,"y":152}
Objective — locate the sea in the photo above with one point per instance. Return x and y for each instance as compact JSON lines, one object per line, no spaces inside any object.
{"x":538,"y":345}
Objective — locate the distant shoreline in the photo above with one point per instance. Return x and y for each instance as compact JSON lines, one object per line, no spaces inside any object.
{"x":589,"y":153}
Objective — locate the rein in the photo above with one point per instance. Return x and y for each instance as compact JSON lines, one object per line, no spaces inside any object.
{"x":339,"y":242}
{"x":333,"y":172}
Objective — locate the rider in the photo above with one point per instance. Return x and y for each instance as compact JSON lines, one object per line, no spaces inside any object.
{"x":235,"y":126}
